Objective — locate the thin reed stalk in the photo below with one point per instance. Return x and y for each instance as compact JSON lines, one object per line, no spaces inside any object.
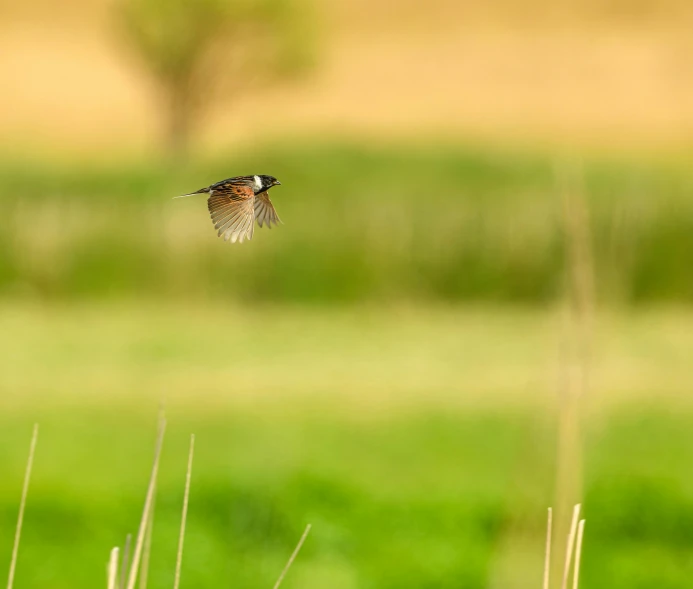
{"x":113,"y":569}
{"x":137,"y":554}
{"x":292,"y":557}
{"x":578,"y":553}
{"x":144,"y":568}
{"x":570,"y":545}
{"x":547,"y":552}
{"x":125,"y":563}
{"x":576,"y":342}
{"x":184,"y":515}
{"x":22,"y":506}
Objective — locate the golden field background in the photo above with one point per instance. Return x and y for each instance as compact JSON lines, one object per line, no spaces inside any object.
{"x":613,"y":73}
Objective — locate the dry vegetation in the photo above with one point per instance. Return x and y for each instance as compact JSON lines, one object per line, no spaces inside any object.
{"x":131,"y":569}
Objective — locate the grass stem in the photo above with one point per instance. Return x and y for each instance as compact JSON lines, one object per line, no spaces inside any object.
{"x":134,"y":567}
{"x":22,"y":506}
{"x":570,"y":545}
{"x":125,"y":562}
{"x":578,"y":553}
{"x":292,"y":557}
{"x":547,"y":553}
{"x":184,"y":516}
{"x":113,"y":569}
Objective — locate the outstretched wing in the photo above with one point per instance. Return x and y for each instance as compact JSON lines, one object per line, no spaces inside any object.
{"x":232,"y":211}
{"x":264,"y":211}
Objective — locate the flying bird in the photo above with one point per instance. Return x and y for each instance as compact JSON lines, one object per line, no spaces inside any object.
{"x":236,"y":203}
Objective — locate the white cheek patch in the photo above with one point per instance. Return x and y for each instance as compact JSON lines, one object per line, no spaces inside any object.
{"x":258,"y":183}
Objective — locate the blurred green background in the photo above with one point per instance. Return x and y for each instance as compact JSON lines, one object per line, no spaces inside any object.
{"x":478,"y":305}
{"x":366,"y":224}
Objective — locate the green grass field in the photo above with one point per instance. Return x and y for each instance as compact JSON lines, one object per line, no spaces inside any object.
{"x":362,"y":224}
{"x":419,"y":442}
{"x":385,"y":366}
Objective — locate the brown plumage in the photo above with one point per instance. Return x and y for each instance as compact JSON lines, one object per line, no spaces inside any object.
{"x":236,"y":203}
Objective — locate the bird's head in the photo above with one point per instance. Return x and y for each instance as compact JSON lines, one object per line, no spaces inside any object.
{"x":269,"y":181}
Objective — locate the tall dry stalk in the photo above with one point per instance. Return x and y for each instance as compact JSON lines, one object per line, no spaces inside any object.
{"x":576,"y":342}
{"x":292,"y":557}
{"x":113,"y":569}
{"x":578,"y":553}
{"x":184,"y":516}
{"x":137,"y":554}
{"x":22,"y":506}
{"x":580,"y":264}
{"x":569,"y":546}
{"x":144,"y":567}
{"x":125,"y":562}
{"x":547,"y":551}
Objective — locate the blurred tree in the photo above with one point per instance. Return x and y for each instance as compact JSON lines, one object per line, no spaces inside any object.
{"x":200,"y":50}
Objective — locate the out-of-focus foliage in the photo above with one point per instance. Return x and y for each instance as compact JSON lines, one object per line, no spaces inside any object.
{"x":422,"y":500}
{"x":360,"y":225}
{"x":209,"y":50}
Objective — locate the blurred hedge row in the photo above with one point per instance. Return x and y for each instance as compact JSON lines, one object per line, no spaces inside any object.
{"x":361,"y":224}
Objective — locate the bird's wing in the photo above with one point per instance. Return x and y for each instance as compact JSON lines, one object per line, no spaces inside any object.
{"x":232,"y":212}
{"x":264,"y":210}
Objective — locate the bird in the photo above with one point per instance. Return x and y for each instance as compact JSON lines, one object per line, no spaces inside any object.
{"x":236,"y":203}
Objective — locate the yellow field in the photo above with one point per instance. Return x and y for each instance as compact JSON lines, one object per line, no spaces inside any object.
{"x":520,"y":71}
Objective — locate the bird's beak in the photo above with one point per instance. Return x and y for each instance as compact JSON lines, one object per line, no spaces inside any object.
{"x":277,"y":183}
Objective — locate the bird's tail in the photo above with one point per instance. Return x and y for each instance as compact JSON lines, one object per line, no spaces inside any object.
{"x":202,"y":191}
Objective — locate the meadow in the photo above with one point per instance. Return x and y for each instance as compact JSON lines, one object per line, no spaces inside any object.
{"x":385,"y":366}
{"x":420,"y":443}
{"x":393,"y":364}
